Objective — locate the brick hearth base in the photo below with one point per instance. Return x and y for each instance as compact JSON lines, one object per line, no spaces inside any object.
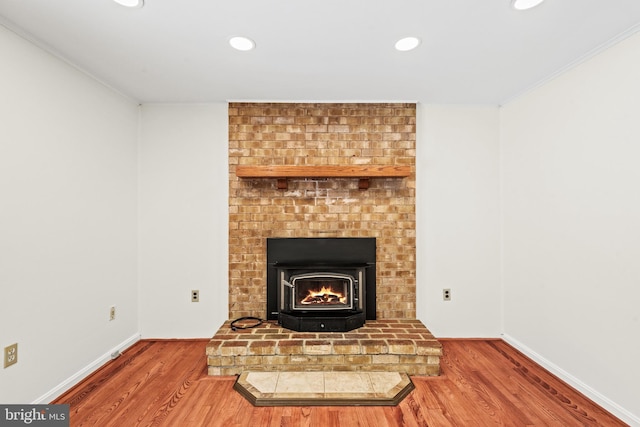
{"x":381,"y":345}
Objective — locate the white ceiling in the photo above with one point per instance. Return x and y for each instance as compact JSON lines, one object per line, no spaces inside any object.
{"x":472,"y":51}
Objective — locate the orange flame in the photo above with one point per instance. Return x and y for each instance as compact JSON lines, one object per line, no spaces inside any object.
{"x":324,"y":296}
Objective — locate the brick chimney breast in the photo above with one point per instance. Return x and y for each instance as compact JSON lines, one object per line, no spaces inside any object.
{"x":322,"y":134}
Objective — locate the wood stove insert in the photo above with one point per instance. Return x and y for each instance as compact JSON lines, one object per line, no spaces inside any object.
{"x":321,"y":284}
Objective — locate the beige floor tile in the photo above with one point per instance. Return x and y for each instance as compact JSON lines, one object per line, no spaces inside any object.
{"x":347,"y":382}
{"x":264,"y":382}
{"x":382,"y":382}
{"x":300,"y":382}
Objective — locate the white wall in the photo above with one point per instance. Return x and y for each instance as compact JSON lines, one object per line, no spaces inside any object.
{"x":67,"y":220}
{"x":183,"y":220}
{"x":571,"y":208}
{"x":458,"y":220}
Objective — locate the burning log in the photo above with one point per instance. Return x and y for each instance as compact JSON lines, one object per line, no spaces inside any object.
{"x":324,"y":296}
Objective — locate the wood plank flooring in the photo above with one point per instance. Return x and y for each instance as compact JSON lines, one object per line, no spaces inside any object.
{"x":483,"y":383}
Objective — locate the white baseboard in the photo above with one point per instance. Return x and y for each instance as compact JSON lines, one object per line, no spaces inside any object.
{"x":574,"y":382}
{"x":83,"y":373}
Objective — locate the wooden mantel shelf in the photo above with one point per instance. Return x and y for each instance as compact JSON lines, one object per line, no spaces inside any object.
{"x":282,"y":172}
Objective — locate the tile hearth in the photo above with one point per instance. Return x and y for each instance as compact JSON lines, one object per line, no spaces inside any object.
{"x":395,"y":345}
{"x":323,"y":388}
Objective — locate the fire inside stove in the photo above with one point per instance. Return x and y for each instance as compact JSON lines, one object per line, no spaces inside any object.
{"x":324,"y":296}
{"x":322,"y":291}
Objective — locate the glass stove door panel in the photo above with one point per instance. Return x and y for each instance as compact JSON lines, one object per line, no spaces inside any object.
{"x":317,"y":291}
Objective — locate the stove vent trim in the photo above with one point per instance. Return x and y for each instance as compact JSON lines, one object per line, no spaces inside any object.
{"x":352,"y":298}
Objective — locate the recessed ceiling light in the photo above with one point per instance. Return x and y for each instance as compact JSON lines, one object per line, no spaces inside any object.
{"x":407,"y":43}
{"x":242,"y":43}
{"x":525,"y":4}
{"x":130,"y":3}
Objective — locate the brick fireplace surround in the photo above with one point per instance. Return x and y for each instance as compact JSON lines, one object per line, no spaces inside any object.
{"x":337,"y":134}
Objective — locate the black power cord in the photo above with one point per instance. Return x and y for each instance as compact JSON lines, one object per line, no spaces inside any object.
{"x":257,"y":322}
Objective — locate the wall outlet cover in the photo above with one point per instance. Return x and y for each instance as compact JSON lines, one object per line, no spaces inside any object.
{"x":10,"y":355}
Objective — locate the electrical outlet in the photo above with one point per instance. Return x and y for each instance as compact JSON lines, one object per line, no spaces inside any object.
{"x":112,"y":313}
{"x":195,"y":296}
{"x":10,"y":355}
{"x":446,"y":294}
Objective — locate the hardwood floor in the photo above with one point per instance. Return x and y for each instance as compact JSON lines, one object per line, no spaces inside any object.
{"x":483,"y":382}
